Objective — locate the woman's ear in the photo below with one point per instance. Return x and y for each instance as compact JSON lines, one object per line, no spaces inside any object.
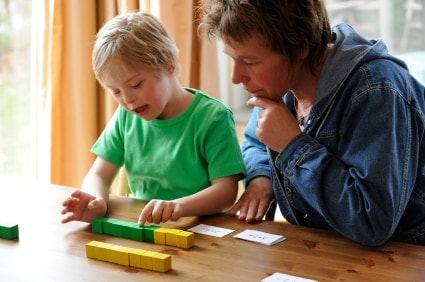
{"x":304,"y":52}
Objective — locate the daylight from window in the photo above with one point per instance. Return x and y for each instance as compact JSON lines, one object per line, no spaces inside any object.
{"x":15,"y":99}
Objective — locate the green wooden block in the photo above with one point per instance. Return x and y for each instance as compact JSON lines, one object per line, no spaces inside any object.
{"x":148,"y":233}
{"x":125,"y":229}
{"x":110,"y":227}
{"x":97,"y":225}
{"x":122,"y":229}
{"x":134,"y":231}
{"x":131,"y":230}
{"x":117,"y":228}
{"x":9,"y":231}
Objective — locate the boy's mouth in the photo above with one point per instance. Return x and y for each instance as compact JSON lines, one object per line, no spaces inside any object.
{"x":140,"y":109}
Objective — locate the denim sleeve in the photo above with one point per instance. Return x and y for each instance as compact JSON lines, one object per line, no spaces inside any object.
{"x":253,"y":151}
{"x":359,"y":172}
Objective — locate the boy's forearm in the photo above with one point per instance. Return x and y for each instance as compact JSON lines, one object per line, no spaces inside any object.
{"x":214,"y":199}
{"x":96,"y":187}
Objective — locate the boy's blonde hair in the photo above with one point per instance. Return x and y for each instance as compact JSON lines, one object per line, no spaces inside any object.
{"x":137,"y":39}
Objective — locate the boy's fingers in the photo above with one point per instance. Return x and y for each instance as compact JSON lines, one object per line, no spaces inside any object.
{"x":76,"y":193}
{"x":68,"y":218}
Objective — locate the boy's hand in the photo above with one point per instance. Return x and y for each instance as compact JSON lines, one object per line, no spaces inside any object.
{"x":157,"y":211}
{"x":82,"y":206}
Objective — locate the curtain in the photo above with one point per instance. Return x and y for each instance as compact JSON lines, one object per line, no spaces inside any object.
{"x":79,"y":107}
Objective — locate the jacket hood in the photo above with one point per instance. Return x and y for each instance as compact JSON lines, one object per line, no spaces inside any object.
{"x":350,"y":52}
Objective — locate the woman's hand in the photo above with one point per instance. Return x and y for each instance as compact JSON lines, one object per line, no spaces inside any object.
{"x":255,"y":201}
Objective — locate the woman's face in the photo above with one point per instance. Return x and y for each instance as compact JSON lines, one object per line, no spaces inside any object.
{"x":261,"y":71}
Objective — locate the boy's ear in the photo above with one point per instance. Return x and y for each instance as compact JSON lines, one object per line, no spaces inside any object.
{"x":171,"y":68}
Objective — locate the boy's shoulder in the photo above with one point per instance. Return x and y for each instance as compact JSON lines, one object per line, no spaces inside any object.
{"x":205,"y":99}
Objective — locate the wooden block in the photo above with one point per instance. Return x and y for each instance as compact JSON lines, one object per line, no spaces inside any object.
{"x":109,"y":226}
{"x":102,"y":250}
{"x":148,"y":233}
{"x":135,"y":257}
{"x":159,"y":235}
{"x":97,"y":225}
{"x":91,"y":250}
{"x":135,"y":232}
{"x":171,"y":237}
{"x":116,"y":254}
{"x":185,"y":239}
{"x":128,"y":256}
{"x":9,"y":231}
{"x":97,"y":250}
{"x":121,"y":229}
{"x":161,"y":262}
{"x":146,"y":260}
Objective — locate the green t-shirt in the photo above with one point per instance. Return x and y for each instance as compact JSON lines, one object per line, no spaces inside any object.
{"x":169,"y":159}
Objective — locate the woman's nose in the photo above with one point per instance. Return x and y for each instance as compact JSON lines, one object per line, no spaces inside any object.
{"x":238,"y":75}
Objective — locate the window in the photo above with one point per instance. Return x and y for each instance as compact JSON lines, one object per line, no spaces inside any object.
{"x":15,"y":95}
{"x":400,"y":23}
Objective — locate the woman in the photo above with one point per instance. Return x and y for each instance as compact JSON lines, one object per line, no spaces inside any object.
{"x":337,"y":131}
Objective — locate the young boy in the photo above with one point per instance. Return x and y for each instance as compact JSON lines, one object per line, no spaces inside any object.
{"x":178,"y":146}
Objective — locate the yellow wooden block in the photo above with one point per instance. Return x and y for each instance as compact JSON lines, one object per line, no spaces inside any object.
{"x":102,"y":250}
{"x":91,"y":250}
{"x":128,"y":256}
{"x":146,"y":260}
{"x":185,"y":239}
{"x":161,"y":262}
{"x":159,"y":235}
{"x":97,"y":250}
{"x":135,"y":257}
{"x":117,"y":254}
{"x":171,"y":237}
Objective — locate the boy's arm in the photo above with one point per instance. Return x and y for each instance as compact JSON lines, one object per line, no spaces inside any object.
{"x":216,"y":198}
{"x":99,"y":178}
{"x":91,"y":200}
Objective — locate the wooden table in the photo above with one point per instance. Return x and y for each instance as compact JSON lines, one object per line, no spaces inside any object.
{"x":50,"y":251}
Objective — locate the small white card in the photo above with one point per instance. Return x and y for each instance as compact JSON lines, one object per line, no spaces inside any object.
{"x":280,"y":277}
{"x":210,"y":230}
{"x":260,"y":237}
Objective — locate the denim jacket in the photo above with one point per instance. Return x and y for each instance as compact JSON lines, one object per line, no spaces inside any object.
{"x":358,"y":168}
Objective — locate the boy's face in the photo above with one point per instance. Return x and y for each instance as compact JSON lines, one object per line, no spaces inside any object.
{"x":139,"y":90}
{"x":262,"y":72}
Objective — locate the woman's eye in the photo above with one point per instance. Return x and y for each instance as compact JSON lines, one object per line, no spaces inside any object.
{"x":249,"y":63}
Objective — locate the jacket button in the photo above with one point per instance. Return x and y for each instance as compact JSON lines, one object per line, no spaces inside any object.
{"x":288,"y":191}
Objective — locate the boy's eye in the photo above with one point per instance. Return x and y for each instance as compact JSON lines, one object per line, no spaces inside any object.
{"x":137,"y":85}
